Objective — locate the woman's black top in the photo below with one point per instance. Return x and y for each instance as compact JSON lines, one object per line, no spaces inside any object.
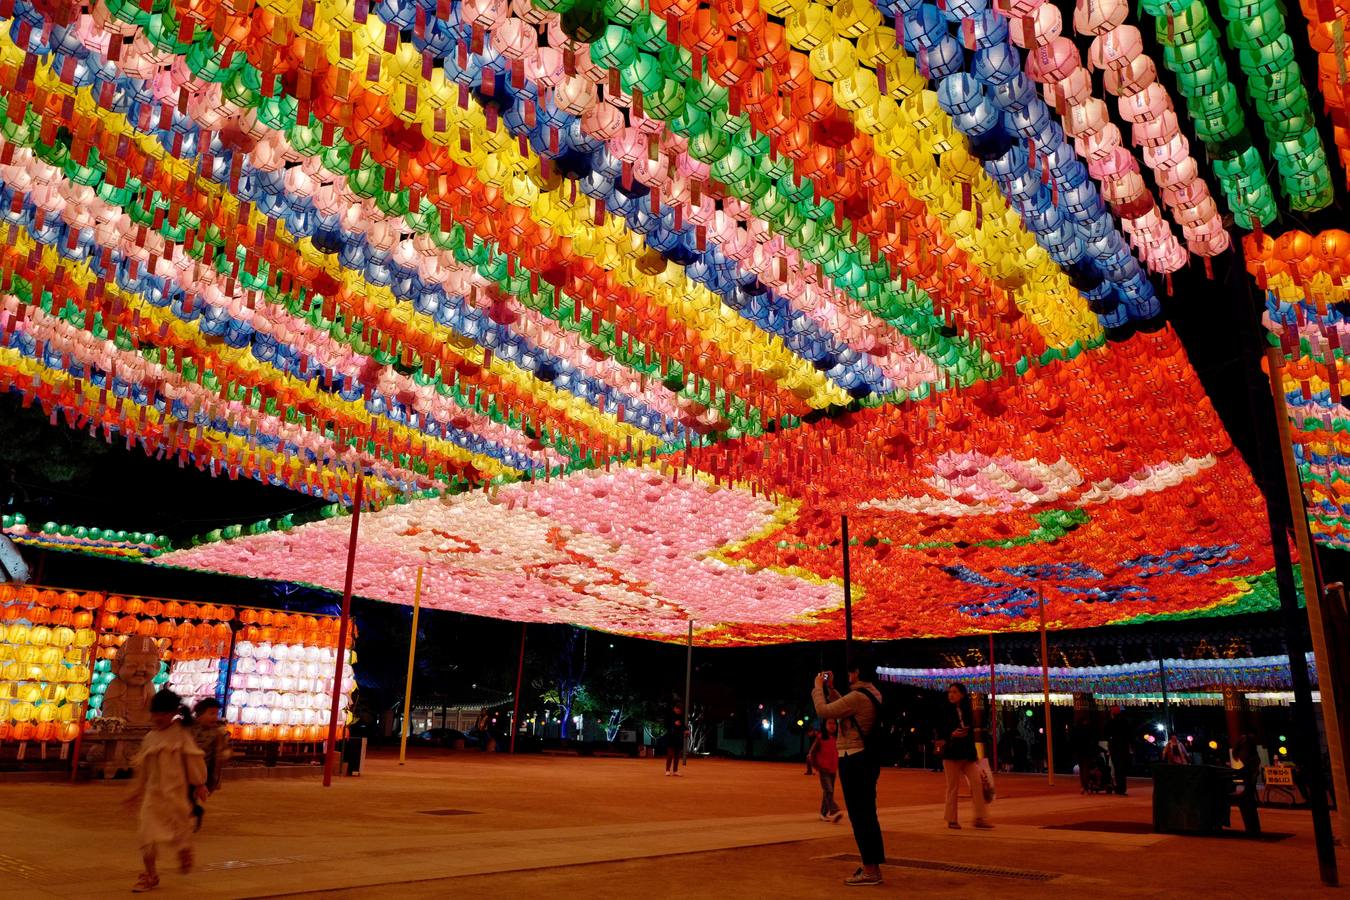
{"x":958,"y":748}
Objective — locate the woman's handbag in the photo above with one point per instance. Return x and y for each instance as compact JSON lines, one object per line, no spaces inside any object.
{"x":986,"y":773}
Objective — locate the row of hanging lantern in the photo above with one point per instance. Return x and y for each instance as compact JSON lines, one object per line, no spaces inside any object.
{"x":996,"y":106}
{"x":1192,"y":51}
{"x":1055,"y":63}
{"x":1327,"y":26}
{"x":1131,"y":76}
{"x":1256,"y":30}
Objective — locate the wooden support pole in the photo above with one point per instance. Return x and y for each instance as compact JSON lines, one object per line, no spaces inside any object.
{"x":412,"y":657}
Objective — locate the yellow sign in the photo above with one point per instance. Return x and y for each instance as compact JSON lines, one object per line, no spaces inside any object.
{"x":1279,"y":776}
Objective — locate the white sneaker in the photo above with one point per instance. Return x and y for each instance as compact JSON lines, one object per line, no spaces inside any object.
{"x":667,"y":773}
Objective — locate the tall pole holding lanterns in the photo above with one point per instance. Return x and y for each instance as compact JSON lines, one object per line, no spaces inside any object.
{"x":412,"y":656}
{"x":330,"y":754}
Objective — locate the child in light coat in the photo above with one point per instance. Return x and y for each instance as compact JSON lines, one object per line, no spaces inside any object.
{"x":170,"y":772}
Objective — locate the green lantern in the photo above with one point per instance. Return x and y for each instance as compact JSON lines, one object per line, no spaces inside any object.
{"x":585,"y":21}
{"x":614,"y":48}
{"x":643,"y":74}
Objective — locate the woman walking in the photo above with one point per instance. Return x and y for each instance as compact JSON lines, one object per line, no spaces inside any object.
{"x":824,"y":755}
{"x":959,"y":757}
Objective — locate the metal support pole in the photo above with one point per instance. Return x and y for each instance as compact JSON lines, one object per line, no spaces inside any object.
{"x":520,"y":672}
{"x":1327,"y":682}
{"x":848,"y":601}
{"x":235,"y":627}
{"x":993,"y":708}
{"x":1045,"y":686}
{"x":688,"y":681}
{"x":412,"y":656}
{"x":1167,"y":703}
{"x":330,"y":752}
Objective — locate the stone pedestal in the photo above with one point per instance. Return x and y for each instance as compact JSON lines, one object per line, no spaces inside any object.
{"x":109,"y":752}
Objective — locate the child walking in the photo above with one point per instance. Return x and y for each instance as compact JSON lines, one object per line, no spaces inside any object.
{"x":824,"y":755}
{"x":213,"y":739}
{"x":169,"y":769}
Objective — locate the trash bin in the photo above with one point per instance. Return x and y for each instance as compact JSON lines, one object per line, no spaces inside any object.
{"x":1191,"y":798}
{"x":353,"y":754}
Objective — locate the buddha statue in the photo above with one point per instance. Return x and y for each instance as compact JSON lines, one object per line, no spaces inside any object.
{"x":135,"y":667}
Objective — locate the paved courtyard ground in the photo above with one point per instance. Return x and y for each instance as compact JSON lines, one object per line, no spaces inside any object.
{"x":466,"y":824}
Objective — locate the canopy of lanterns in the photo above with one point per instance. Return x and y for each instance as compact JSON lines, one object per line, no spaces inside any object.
{"x":492,"y":243}
{"x":966,"y":511}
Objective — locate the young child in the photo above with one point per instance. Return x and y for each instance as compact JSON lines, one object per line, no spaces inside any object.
{"x":169,"y":769}
{"x":213,"y":739}
{"x":824,"y":755}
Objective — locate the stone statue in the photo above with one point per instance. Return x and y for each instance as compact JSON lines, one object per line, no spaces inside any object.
{"x":135,"y":667}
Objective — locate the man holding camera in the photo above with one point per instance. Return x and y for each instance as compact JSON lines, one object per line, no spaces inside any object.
{"x":857,"y":712}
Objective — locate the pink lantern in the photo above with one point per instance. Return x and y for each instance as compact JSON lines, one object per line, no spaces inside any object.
{"x":1146,"y":105}
{"x":1099,"y":16}
{"x":1178,"y":172}
{"x":1053,"y":61}
{"x":1100,"y":143}
{"x":1116,"y":49}
{"x":1037,"y":29}
{"x":1168,"y":154}
{"x":1138,"y":74}
{"x":1086,"y":118}
{"x":1155,"y":132}
{"x":1071,"y":90}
